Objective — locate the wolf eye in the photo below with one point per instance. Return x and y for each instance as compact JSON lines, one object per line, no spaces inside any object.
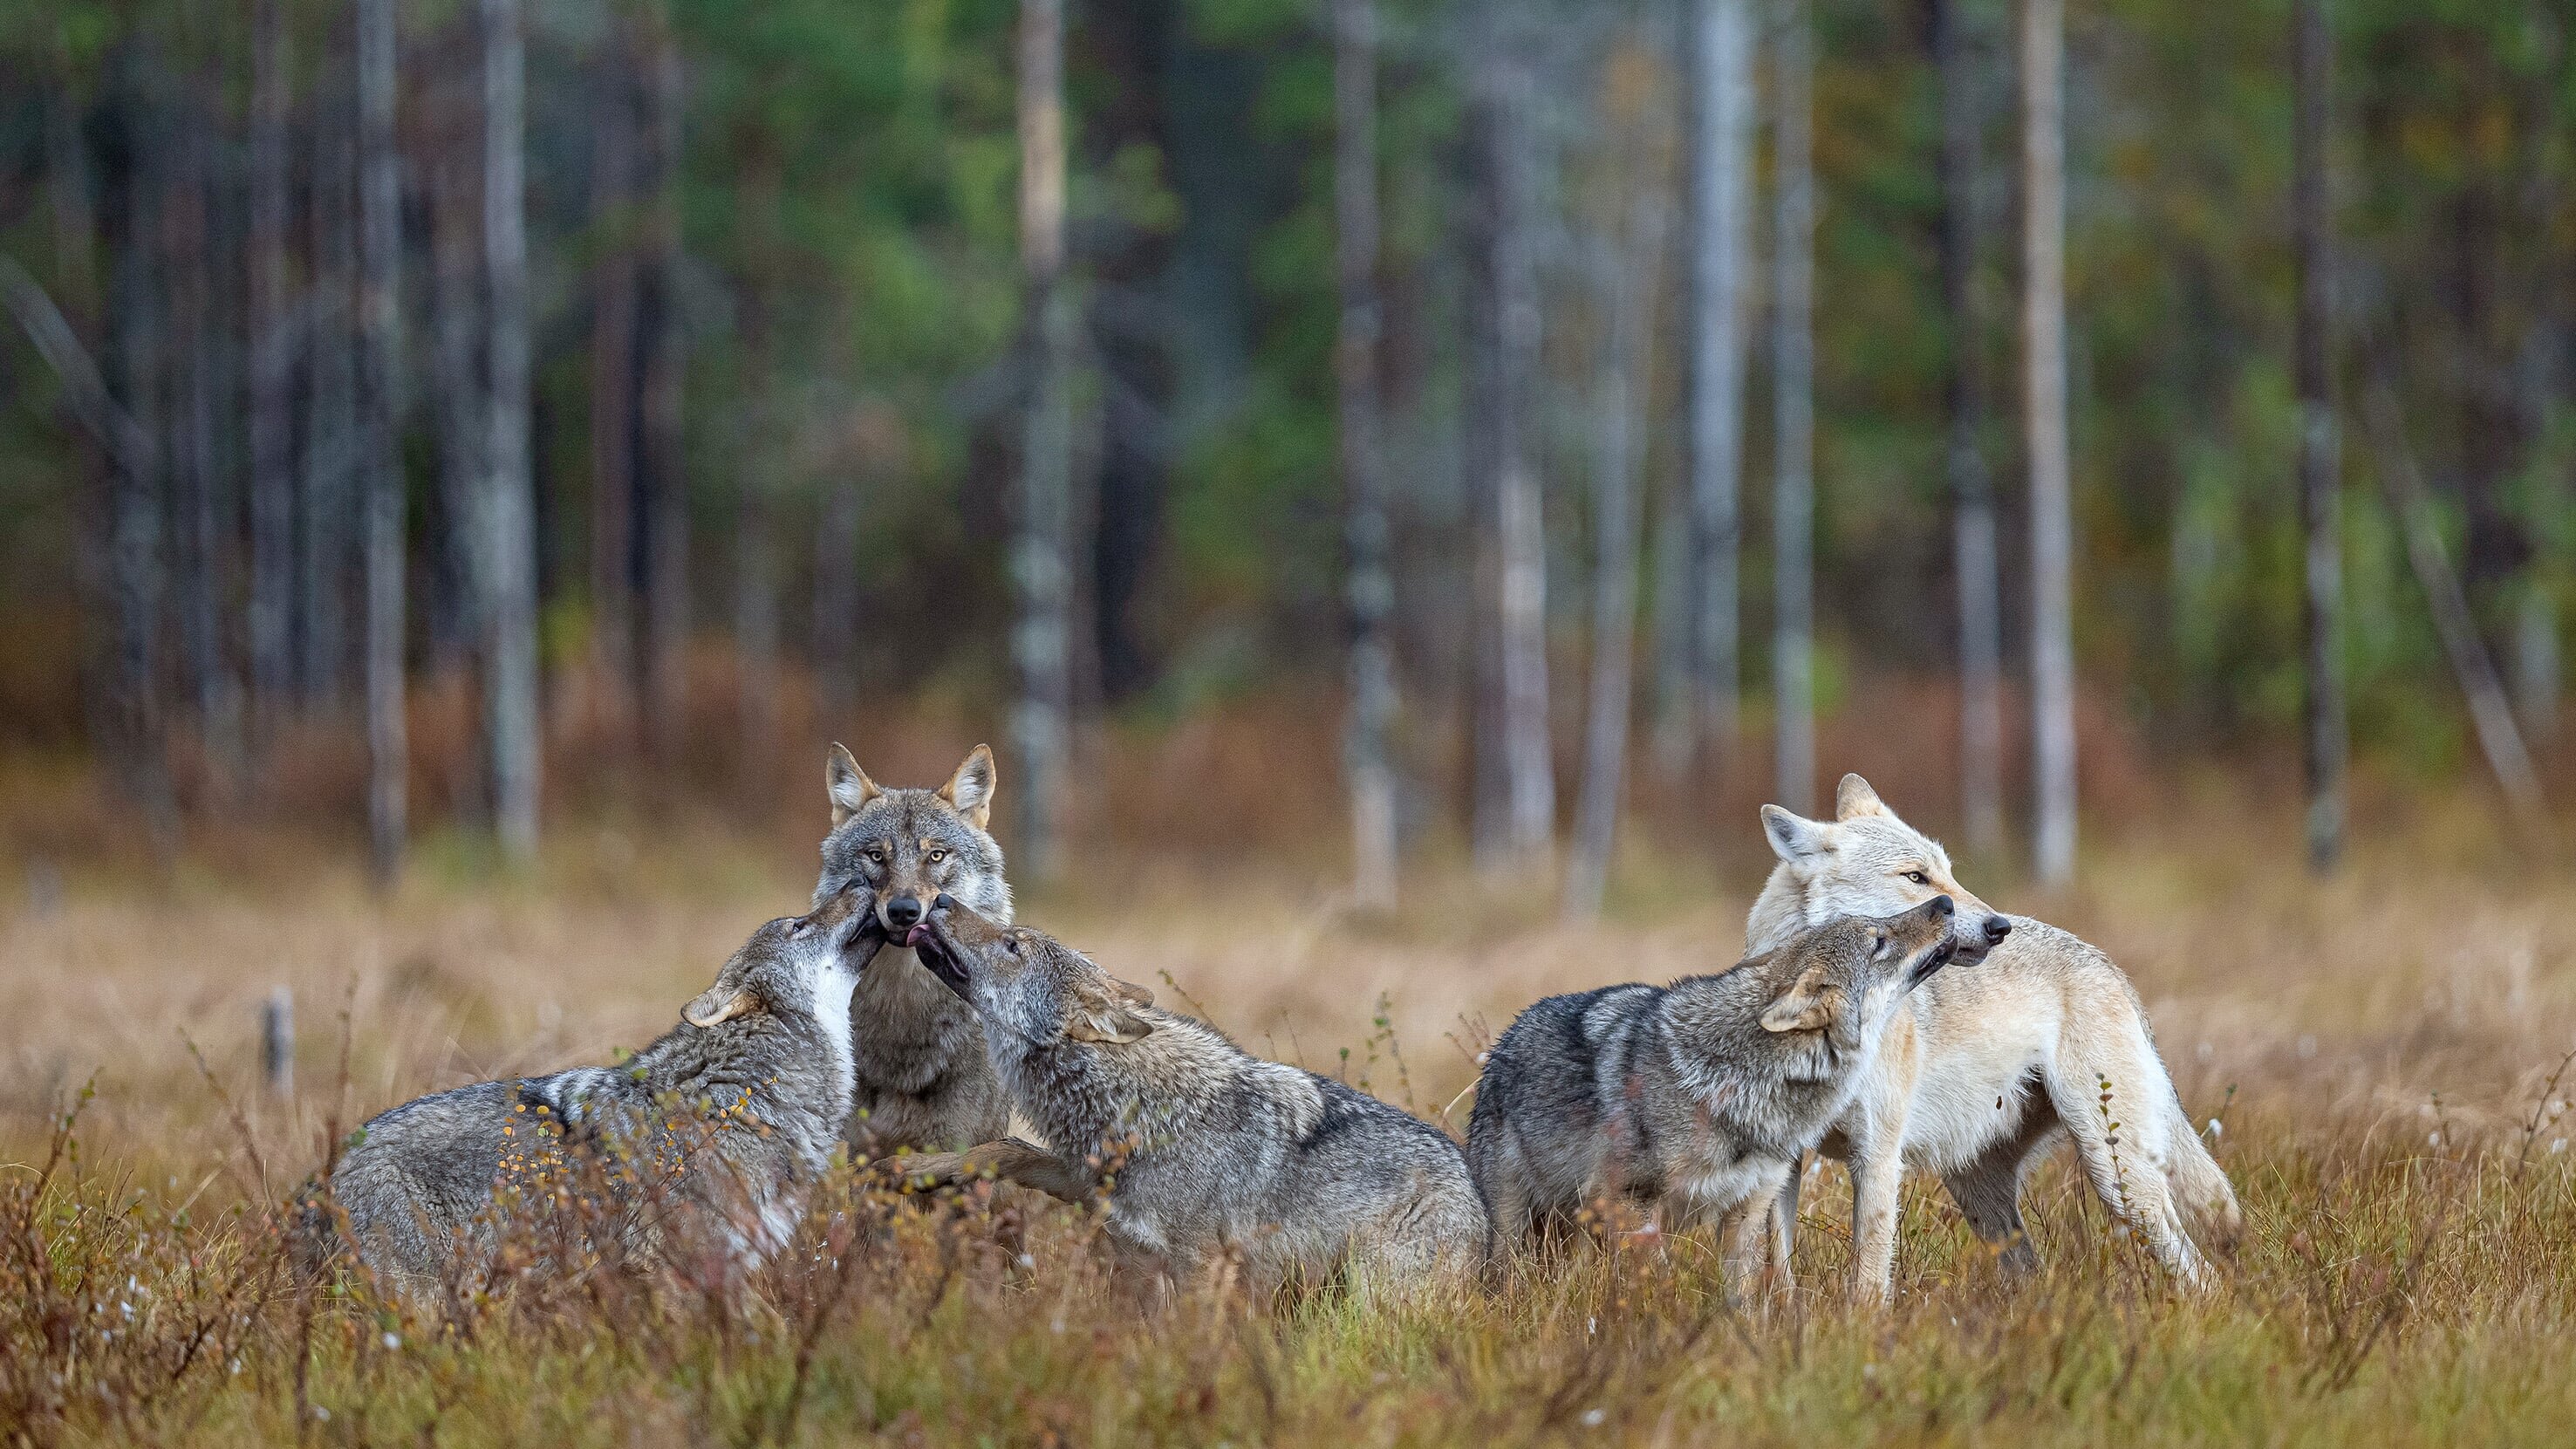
{"x":1011,"y":944}
{"x":874,"y":855}
{"x":936,"y":856}
{"x":1918,"y":877}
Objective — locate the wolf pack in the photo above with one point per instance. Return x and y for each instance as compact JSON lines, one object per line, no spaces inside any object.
{"x":1882,"y":1015}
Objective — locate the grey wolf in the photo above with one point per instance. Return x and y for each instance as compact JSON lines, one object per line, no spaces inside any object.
{"x":1987,"y":1070}
{"x":923,"y":1082}
{"x":1695,"y":1099}
{"x":704,"y":1140}
{"x":1195,"y":1149}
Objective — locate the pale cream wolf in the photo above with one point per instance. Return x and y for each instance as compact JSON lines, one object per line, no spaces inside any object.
{"x":1194,"y":1149}
{"x":1986,"y":1070}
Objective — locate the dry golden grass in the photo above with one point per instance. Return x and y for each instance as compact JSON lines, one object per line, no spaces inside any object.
{"x":2381,"y":1047}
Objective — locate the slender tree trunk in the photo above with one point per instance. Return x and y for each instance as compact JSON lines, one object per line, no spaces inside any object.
{"x":456,"y":361}
{"x":1721,"y":153}
{"x":195,"y":445}
{"x":836,"y":594}
{"x":2052,"y":543}
{"x":2489,"y":709}
{"x":1630,"y":299}
{"x":1793,"y":503}
{"x":615,"y":303}
{"x":380,"y":420}
{"x":272,"y":379}
{"x":509,"y":514}
{"x":665,"y":479}
{"x":1981,"y":716}
{"x":755,"y":621}
{"x":2320,"y":483}
{"x":1041,"y":553}
{"x":135,"y":561}
{"x":323,"y":542}
{"x":1517,"y":818}
{"x":1371,"y":586}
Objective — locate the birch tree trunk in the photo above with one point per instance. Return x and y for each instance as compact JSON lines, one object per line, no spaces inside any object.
{"x":380,"y":413}
{"x":1793,"y":503}
{"x":1972,"y":494}
{"x":2043,"y":49}
{"x":1619,"y":414}
{"x":272,"y":476}
{"x":1721,"y":233}
{"x":1041,"y":565}
{"x":508,"y":528}
{"x":2320,"y":481}
{"x":1517,"y":816}
{"x":1371,"y":588}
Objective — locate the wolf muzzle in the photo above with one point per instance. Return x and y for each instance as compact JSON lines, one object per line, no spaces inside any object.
{"x":931,"y":945}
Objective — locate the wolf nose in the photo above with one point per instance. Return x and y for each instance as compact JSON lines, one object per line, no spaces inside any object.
{"x":903,"y":912}
{"x":1941,"y":906}
{"x":1996,"y":929}
{"x":946,"y":902}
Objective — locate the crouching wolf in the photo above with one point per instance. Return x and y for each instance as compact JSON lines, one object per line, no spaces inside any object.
{"x":1988,"y":1070}
{"x":698,"y":1148}
{"x":1195,"y":1148}
{"x":922,"y":1078}
{"x":1695,"y":1099}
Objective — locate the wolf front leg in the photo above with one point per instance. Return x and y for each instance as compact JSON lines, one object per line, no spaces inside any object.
{"x":1745,"y":1232}
{"x":1877,"y":1173}
{"x":1008,"y":1160}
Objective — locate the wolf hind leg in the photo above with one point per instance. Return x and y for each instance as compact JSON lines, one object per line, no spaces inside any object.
{"x":2128,"y":1174}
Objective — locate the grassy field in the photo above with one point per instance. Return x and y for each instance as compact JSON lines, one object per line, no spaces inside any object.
{"x":2381,"y":1051}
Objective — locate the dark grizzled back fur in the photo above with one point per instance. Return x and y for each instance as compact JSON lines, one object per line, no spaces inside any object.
{"x":1697,"y":1097}
{"x":921,"y":1077}
{"x":1547,"y":1068}
{"x":709,"y":1132}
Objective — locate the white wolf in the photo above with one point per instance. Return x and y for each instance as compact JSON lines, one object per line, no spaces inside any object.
{"x":1990,"y":1066}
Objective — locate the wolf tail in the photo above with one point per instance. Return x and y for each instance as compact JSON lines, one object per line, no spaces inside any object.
{"x":2200,"y":1186}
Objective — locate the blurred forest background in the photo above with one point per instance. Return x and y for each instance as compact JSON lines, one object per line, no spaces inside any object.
{"x":1344,"y":426}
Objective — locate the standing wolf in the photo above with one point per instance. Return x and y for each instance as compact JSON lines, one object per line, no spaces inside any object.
{"x":701,"y":1143}
{"x":1196,"y":1148}
{"x":1697,"y":1098}
{"x":1989,"y":1069}
{"x":923,"y":1082}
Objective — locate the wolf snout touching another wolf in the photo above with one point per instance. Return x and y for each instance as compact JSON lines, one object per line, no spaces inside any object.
{"x":1987,"y":1070}
{"x":1695,"y":1100}
{"x":697,"y":1149}
{"x":1195,"y":1148}
{"x":922,"y":1081}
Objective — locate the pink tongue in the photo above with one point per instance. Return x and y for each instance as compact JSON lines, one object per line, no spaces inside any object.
{"x":913,"y":936}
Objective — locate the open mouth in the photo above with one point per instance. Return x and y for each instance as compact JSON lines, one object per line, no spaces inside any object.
{"x":1933,"y":960}
{"x":934,"y":950}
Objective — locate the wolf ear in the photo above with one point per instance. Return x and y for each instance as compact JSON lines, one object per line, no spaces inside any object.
{"x":1794,"y":838}
{"x":850,"y":787}
{"x":718,"y":1005}
{"x":1855,"y":799}
{"x":970,"y":790}
{"x":1105,"y":1011}
{"x":1806,"y":1006}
